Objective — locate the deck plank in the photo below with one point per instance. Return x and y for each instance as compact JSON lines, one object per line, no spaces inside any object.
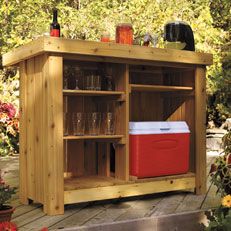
{"x":48,"y":221}
{"x":79,"y":218}
{"x":23,"y":209}
{"x":140,"y":208}
{"x":112,"y":212}
{"x":168,"y":204}
{"x":31,"y":217}
{"x":28,"y":217}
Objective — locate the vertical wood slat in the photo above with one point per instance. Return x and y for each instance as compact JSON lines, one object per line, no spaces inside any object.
{"x":104,"y":159}
{"x":122,"y":114}
{"x":30,"y":128}
{"x":23,"y":183}
{"x":190,"y":120}
{"x":53,"y":142}
{"x":90,"y":162}
{"x":38,"y":135}
{"x":75,"y":158}
{"x":200,"y":129}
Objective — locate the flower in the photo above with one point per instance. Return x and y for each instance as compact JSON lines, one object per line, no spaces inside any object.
{"x":6,"y":192}
{"x":9,"y":129}
{"x":8,"y":108}
{"x":7,"y":226}
{"x":228,"y":159}
{"x":213,"y":168}
{"x":226,"y":201}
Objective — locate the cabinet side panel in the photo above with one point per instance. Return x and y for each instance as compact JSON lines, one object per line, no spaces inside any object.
{"x":30,"y":128}
{"x":53,"y":137}
{"x":39,"y":133}
{"x":200,"y":130}
{"x":23,"y":187}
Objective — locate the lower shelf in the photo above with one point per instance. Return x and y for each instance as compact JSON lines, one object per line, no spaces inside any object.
{"x":90,"y":182}
{"x":92,"y":188}
{"x":88,"y":137}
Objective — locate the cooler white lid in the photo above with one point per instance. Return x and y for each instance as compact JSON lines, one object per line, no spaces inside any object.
{"x":157,"y":127}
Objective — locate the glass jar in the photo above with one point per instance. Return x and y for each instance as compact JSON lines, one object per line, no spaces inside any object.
{"x":105,"y":37}
{"x":124,"y":33}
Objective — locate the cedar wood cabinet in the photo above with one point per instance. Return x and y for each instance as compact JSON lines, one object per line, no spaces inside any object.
{"x":151,"y":84}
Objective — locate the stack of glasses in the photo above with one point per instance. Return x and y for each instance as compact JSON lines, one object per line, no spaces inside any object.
{"x":94,"y":123}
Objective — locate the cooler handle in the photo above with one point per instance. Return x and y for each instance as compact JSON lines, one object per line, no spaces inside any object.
{"x":164,"y":129}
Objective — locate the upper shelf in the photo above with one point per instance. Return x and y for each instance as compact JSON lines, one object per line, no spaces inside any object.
{"x":104,"y":52}
{"x":159,"y":88}
{"x":92,"y":93}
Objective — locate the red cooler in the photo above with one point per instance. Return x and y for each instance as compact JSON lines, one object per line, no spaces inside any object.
{"x":158,"y":148}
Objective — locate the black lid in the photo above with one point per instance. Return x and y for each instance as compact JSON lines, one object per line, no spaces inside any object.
{"x":179,"y":31}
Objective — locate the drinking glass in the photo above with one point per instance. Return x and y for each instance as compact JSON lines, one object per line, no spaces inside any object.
{"x":94,"y":120}
{"x":65,"y":77}
{"x":109,"y":123}
{"x":78,"y":74}
{"x":90,"y":82}
{"x":65,"y":123}
{"x":93,"y":82}
{"x":97,"y":82}
{"x":78,"y":120}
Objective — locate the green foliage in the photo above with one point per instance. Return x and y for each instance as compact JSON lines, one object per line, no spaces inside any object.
{"x":6,"y":191}
{"x":220,"y":219}
{"x":221,"y":11}
{"x":220,"y":172}
{"x":9,"y":133}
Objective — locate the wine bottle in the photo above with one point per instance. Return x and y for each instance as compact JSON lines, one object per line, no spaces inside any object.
{"x":55,"y":27}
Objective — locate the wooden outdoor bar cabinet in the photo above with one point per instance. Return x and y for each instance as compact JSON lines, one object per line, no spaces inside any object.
{"x":151,"y":84}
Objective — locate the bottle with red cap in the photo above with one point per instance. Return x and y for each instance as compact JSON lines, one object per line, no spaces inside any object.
{"x":54,"y":26}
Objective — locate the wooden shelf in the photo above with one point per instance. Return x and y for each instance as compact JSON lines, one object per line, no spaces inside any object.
{"x":92,"y":93}
{"x":85,"y":182}
{"x":91,"y":188}
{"x":88,"y":137}
{"x":159,"y":88}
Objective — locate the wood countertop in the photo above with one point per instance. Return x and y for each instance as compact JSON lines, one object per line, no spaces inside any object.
{"x":120,"y":53}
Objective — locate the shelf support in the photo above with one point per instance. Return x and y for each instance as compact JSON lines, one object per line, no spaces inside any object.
{"x":122,"y":112}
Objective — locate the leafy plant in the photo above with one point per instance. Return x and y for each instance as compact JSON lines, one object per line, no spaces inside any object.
{"x":6,"y":192}
{"x":220,"y":219}
{"x":9,"y":129}
{"x":220,"y":172}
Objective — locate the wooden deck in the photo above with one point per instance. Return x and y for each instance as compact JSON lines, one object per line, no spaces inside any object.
{"x":31,"y":217}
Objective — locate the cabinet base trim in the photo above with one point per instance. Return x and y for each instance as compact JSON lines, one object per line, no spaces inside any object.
{"x":127,"y":190}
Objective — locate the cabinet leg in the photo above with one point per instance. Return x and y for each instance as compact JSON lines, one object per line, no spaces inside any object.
{"x":200,"y":129}
{"x":26,"y":201}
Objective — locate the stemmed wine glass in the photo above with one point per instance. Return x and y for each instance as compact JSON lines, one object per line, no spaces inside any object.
{"x":78,"y":75}
{"x":65,"y":77}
